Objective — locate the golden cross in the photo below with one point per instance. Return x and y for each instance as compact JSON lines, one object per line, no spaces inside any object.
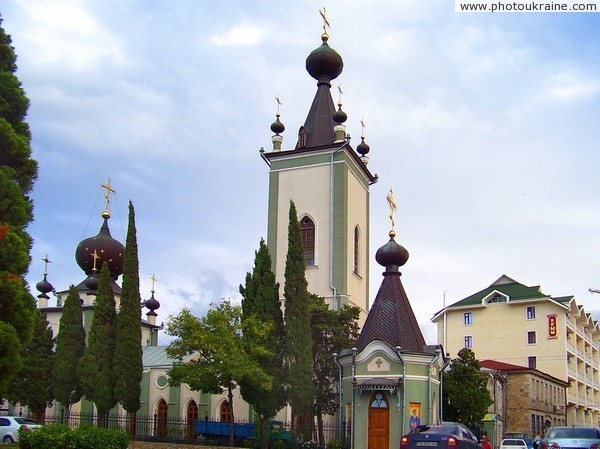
{"x":153,"y":279}
{"x":96,"y":257}
{"x":108,"y":190}
{"x":362,"y":126}
{"x":390,"y":200}
{"x":340,"y":90}
{"x":46,"y":262}
{"x":323,"y":13}
{"x":278,"y":103}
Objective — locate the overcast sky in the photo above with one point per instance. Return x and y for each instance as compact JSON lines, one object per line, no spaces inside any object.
{"x":486,"y":126}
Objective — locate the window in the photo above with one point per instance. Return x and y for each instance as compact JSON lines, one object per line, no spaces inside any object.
{"x":307,"y":229}
{"x":497,"y":298}
{"x":531,"y":362}
{"x":531,"y":313}
{"x":225,"y":412}
{"x":468,"y":341}
{"x":162,"y":411}
{"x":356,"y":253}
{"x":468,"y":318}
{"x":531,"y":339}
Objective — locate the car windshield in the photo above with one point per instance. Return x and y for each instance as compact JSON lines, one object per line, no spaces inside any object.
{"x":573,"y":432}
{"x":25,"y":421}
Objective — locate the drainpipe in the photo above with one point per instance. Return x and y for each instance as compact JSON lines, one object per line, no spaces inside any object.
{"x":399,"y":352}
{"x":341,"y":394}
{"x":433,"y":362}
{"x":262,"y":154}
{"x":354,"y":351}
{"x":335,"y":301}
{"x":442,"y":369}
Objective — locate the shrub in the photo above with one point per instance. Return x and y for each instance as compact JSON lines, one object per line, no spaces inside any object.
{"x":58,"y":436}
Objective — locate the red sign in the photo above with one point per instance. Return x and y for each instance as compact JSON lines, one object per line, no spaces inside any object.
{"x":552,"y":330}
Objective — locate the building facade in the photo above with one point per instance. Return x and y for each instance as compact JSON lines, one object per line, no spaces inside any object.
{"x":512,"y":323}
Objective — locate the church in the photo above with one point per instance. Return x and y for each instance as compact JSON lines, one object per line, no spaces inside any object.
{"x":390,"y":381}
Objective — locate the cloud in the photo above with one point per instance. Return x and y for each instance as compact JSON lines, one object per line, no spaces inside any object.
{"x":241,"y":35}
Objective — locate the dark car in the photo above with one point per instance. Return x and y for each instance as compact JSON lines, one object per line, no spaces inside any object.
{"x":440,"y":436}
{"x":571,"y":437}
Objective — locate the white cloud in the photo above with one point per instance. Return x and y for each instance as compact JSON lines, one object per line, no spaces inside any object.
{"x":241,"y":35}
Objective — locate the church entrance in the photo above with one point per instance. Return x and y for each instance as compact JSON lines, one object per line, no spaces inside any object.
{"x":379,"y":422}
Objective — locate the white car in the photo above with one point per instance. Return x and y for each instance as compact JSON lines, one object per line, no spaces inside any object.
{"x":513,"y":443}
{"x":10,"y":425}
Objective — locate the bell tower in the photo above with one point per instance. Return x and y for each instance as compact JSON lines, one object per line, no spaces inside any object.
{"x":329,"y":182}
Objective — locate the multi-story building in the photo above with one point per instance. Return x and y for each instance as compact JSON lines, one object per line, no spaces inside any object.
{"x":513,"y":323}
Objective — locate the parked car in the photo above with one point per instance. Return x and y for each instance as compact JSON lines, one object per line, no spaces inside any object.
{"x":571,"y":437}
{"x":440,"y":436}
{"x":513,"y":443}
{"x":10,"y":425}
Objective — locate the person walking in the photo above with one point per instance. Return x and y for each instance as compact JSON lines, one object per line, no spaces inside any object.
{"x":485,"y":443}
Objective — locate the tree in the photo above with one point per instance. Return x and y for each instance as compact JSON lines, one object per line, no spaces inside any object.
{"x":260,"y":301}
{"x":95,"y":368}
{"x":465,"y":395}
{"x":18,"y":172}
{"x":210,"y":354}
{"x":332,"y":330}
{"x":33,"y":385}
{"x":127,"y":360}
{"x":298,"y":347}
{"x":70,"y":345}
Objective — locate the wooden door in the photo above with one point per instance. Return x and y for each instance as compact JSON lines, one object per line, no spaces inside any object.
{"x":379,"y":422}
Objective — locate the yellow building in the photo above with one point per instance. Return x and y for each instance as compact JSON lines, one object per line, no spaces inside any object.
{"x":521,"y":325}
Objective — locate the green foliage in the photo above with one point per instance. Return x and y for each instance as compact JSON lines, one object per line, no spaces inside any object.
{"x":260,"y":300}
{"x":298,"y":342}
{"x":127,"y":360}
{"x":70,"y":344}
{"x":95,"y":368}
{"x":32,"y":386}
{"x":465,"y":394}
{"x":17,"y":174}
{"x":332,"y":331}
{"x":59,"y":436}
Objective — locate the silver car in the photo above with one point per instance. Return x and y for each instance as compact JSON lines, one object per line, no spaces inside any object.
{"x":10,"y":425}
{"x":571,"y":437}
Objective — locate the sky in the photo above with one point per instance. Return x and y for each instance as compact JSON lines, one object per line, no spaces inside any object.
{"x":486,"y":127}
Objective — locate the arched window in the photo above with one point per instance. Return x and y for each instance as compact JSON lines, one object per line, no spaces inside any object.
{"x":162,"y":410}
{"x":307,"y":229}
{"x":356,"y":248}
{"x":191,"y":417}
{"x":378,"y":401}
{"x":225,"y":412}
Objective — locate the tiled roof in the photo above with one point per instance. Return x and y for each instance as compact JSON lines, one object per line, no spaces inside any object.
{"x":391,"y":318}
{"x":501,"y":366}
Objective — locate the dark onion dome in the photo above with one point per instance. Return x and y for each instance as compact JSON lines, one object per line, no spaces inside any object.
{"x":391,"y":255}
{"x":324,"y":61}
{"x":44,"y":287}
{"x":152,"y":303}
{"x":92,"y":281}
{"x":277,"y":127}
{"x":362,"y":147}
{"x":99,"y":249}
{"x":340,"y":116}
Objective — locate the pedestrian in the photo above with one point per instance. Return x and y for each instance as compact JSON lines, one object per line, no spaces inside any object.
{"x":537,"y":440}
{"x":485,"y":442}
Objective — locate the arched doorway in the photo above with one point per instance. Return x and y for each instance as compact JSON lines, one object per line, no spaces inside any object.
{"x":162,"y":410}
{"x":225,"y":412}
{"x":379,"y":421}
{"x":191,"y":417}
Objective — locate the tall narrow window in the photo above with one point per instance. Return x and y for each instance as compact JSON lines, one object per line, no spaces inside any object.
{"x":531,"y":312}
{"x":162,"y":411}
{"x":468,"y":341}
{"x":225,"y":412}
{"x":531,"y":362}
{"x":531,"y":339}
{"x":468,"y":318}
{"x":356,"y":253}
{"x":307,"y":229}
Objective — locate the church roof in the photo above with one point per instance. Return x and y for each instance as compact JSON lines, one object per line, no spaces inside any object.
{"x":391,"y":318}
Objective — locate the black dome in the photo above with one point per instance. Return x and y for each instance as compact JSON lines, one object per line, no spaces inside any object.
{"x":391,"y":255}
{"x":277,"y":127}
{"x":324,"y":62}
{"x":103,"y":248}
{"x":339,"y":116}
{"x":152,"y":303}
{"x":44,"y":287}
{"x":362,"y":147}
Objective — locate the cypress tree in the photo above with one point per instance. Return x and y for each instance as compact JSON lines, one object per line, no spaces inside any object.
{"x":70,"y":345}
{"x":260,"y":300}
{"x":96,"y":366}
{"x":128,"y":352}
{"x":18,"y":172}
{"x":298,"y":342}
{"x":32,"y":386}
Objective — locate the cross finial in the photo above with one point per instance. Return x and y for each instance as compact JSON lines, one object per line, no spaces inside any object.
{"x":46,"y":262}
{"x":323,"y":13}
{"x":107,"y":191}
{"x":362,"y":130}
{"x":153,"y":279}
{"x":392,"y":204}
{"x":339,"y":86}
{"x":278,"y":104}
{"x":96,"y":257}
